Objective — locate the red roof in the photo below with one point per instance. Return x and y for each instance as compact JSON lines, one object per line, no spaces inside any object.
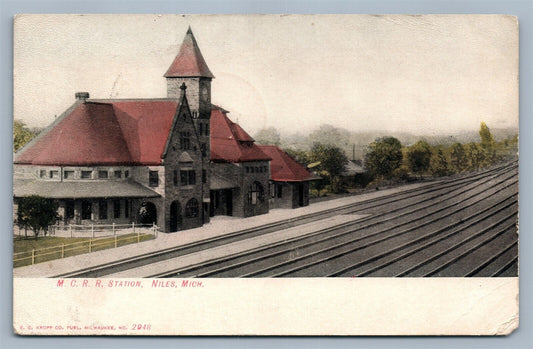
{"x":112,"y":133}
{"x":146,"y":126}
{"x":283,"y":167}
{"x":189,"y":62}
{"x":128,"y":132}
{"x":230,"y":143}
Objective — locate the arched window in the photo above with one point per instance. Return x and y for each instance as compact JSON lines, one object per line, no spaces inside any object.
{"x":256,"y":194}
{"x":191,"y":208}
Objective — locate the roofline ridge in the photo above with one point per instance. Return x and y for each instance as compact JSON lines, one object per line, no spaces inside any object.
{"x":111,"y":100}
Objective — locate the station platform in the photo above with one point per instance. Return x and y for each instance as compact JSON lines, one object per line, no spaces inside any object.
{"x":218,"y":226}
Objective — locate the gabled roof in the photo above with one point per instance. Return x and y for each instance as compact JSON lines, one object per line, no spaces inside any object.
{"x":283,"y":167}
{"x":189,"y":62}
{"x":353,"y":167}
{"x":230,"y":143}
{"x":107,"y":132}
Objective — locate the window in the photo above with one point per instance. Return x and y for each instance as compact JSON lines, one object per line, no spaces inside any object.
{"x":54,"y":174}
{"x":251,"y":169}
{"x":255,"y":195}
{"x":116,"y":209}
{"x":276,"y":190}
{"x":126,"y":208}
{"x":207,"y":129}
{"x":192,"y":177}
{"x":154,"y":179}
{"x":191,"y":208}
{"x":86,"y":174}
{"x":42,"y":173}
{"x":201,"y":128}
{"x":204,"y":176}
{"x":86,"y":209}
{"x":69,"y":209}
{"x":126,"y":174}
{"x":118,"y":174}
{"x":185,"y":141}
{"x":102,"y":209}
{"x":102,"y":174}
{"x":187,"y":177}
{"x":68,"y":174}
{"x":175,"y":177}
{"x":203,"y":149}
{"x":247,"y":169}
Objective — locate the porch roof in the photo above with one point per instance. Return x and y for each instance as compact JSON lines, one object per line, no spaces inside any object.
{"x":218,"y":183}
{"x":82,"y":189}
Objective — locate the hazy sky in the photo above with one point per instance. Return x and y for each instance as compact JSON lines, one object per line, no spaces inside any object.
{"x":419,"y":74}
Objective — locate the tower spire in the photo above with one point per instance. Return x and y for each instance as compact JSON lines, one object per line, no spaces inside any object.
{"x":189,"y":62}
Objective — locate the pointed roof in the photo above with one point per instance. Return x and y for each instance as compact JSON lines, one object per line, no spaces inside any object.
{"x":189,"y":62}
{"x":283,"y":167}
{"x":230,"y":143}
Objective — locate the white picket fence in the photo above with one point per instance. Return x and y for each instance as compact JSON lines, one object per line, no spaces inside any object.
{"x":91,"y":230}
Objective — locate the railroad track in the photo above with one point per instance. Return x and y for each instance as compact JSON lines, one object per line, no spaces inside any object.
{"x":322,"y":247}
{"x":395,"y":202}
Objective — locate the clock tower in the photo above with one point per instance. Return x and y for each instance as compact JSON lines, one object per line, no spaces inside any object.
{"x":189,"y":68}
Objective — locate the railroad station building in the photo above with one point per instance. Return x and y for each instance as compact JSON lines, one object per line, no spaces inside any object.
{"x":173,"y":161}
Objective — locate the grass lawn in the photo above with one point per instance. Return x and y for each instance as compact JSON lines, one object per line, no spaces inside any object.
{"x":50,"y":247}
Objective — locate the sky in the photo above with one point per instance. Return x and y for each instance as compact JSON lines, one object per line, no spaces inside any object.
{"x":429,"y":75}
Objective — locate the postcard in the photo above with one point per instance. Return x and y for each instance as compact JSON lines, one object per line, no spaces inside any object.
{"x":265,"y":175}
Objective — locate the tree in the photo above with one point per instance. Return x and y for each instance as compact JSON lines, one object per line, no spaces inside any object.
{"x":488,"y":145}
{"x":332,"y":162}
{"x":37,"y":213}
{"x":268,"y":136}
{"x":22,"y":134}
{"x":331,"y":135}
{"x":487,"y":141}
{"x":459,"y":161}
{"x":385,"y":156}
{"x":419,"y":157}
{"x":476,"y":155}
{"x":440,"y":165}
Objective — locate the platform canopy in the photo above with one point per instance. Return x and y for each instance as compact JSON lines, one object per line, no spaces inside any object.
{"x":82,"y":189}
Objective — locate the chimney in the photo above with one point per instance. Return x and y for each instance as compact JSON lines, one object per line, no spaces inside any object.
{"x":82,"y":96}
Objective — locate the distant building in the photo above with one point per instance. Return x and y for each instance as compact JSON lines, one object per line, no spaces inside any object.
{"x":172,"y":161}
